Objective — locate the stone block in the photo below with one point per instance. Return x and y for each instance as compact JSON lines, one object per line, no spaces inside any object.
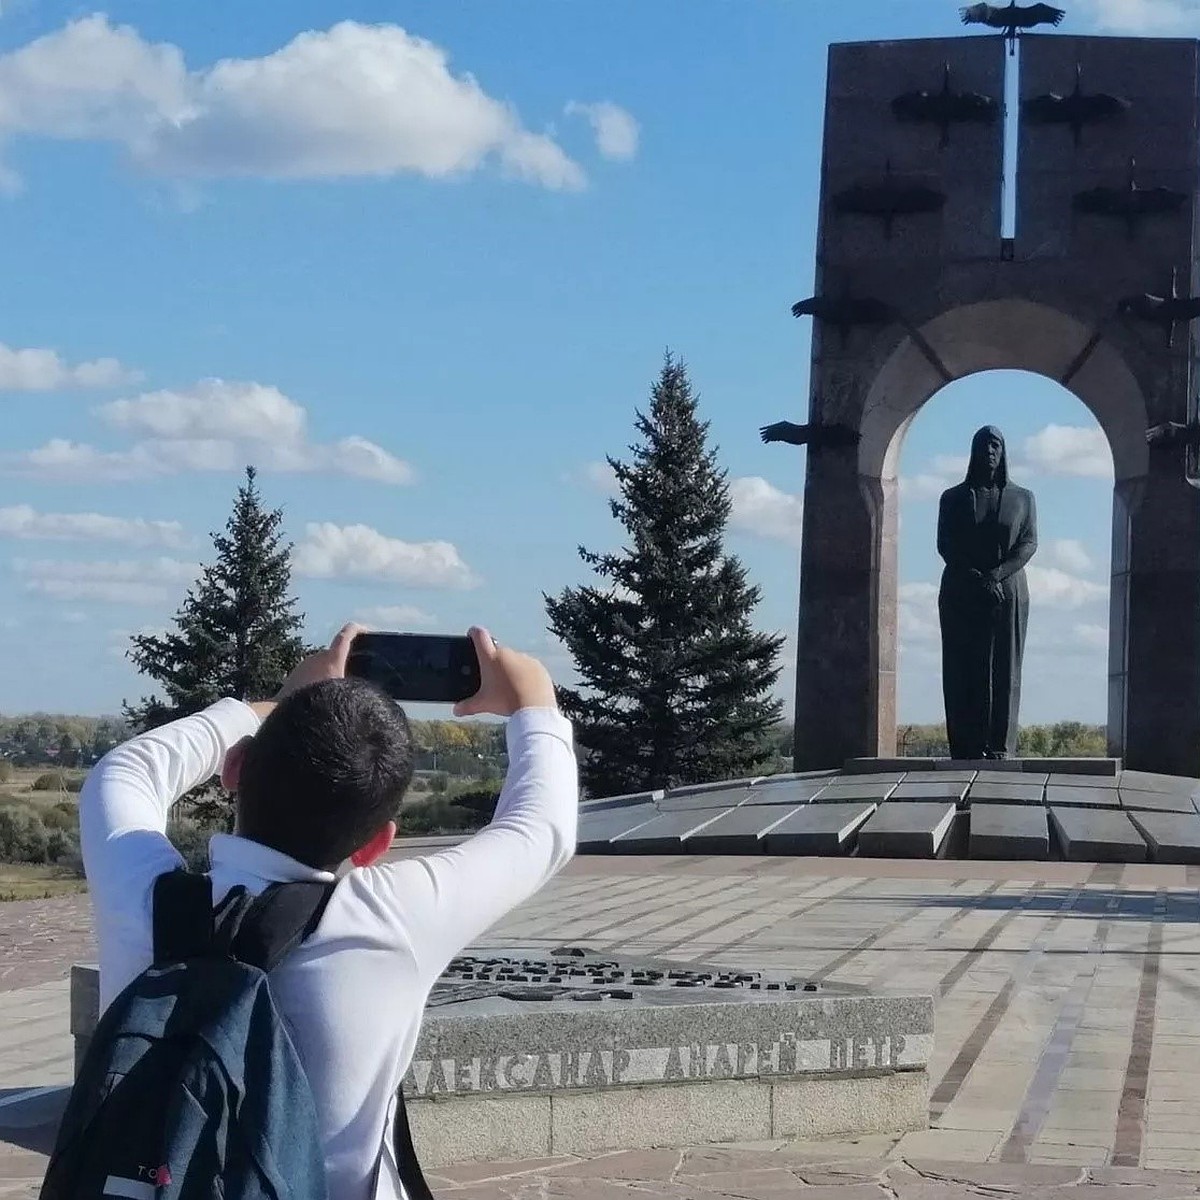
{"x":1017,"y":792}
{"x":906,"y":830}
{"x":792,"y":792}
{"x":820,"y":1108}
{"x":665,"y":834}
{"x":1009,"y":831}
{"x":853,"y":792}
{"x":632,"y":800}
{"x":1163,"y":802}
{"x":735,"y":1110}
{"x":1072,"y":766}
{"x":951,"y":773}
{"x":1172,"y":837}
{"x":1069,"y":779}
{"x":696,"y":801}
{"x":898,"y":766}
{"x":716,"y":785}
{"x":1090,"y":835}
{"x":596,"y":830}
{"x":1145,"y":781}
{"x":820,"y":830}
{"x":1082,"y":797}
{"x":466,"y":1129}
{"x":925,"y":792}
{"x":741,"y":831}
{"x":991,"y":766}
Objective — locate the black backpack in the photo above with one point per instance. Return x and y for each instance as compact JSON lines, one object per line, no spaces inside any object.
{"x":191,"y":1087}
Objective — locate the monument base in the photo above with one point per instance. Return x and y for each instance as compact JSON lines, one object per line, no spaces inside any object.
{"x":524,"y":1057}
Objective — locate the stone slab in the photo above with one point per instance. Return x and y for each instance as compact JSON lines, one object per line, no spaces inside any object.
{"x":906,"y":830}
{"x":716,"y":785}
{"x":1172,"y":837}
{"x":1091,"y":835}
{"x":596,"y":830}
{"x":1072,"y":779}
{"x":1162,"y":802}
{"x":929,"y":790}
{"x":1010,"y":831}
{"x":820,"y":830}
{"x":1082,"y":797}
{"x":872,"y":766}
{"x":1145,"y":781}
{"x":850,"y":792}
{"x":1016,"y":792}
{"x":951,"y":774}
{"x":740,"y":831}
{"x":1006,"y":766}
{"x":632,"y":800}
{"x":690,"y":801}
{"x":665,"y":834}
{"x":793,"y":792}
{"x":1073,"y":766}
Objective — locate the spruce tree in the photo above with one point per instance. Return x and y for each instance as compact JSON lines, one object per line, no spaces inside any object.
{"x":675,"y":680}
{"x":236,"y":633}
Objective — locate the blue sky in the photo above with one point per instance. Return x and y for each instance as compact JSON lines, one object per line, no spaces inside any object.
{"x":419,"y":262}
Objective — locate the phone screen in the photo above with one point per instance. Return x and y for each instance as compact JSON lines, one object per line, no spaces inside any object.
{"x":416,"y":667}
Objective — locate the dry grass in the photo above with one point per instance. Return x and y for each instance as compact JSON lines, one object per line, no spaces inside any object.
{"x":27,"y":881}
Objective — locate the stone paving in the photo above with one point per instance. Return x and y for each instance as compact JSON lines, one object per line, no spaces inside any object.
{"x":1068,"y":1022}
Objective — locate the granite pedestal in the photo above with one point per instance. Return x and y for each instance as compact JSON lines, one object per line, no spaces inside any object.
{"x":522,"y":1055}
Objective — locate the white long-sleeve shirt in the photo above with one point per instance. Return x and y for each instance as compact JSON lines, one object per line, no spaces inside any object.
{"x":354,"y":992}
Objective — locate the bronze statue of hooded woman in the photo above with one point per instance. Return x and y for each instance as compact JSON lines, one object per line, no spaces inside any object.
{"x":987,"y":532}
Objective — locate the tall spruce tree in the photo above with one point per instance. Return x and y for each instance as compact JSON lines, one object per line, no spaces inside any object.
{"x":236,"y":633}
{"x":675,"y":681}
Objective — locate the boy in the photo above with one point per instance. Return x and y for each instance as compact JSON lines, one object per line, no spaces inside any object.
{"x":319,"y":773}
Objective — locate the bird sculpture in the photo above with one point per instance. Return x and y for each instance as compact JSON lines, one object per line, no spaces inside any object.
{"x":946,"y":108}
{"x":889,"y":198}
{"x":1166,"y":311}
{"x":1076,"y":110}
{"x":1173,"y":434}
{"x":1130,"y":203}
{"x":816,"y":436}
{"x":845,"y":312}
{"x":1011,"y":17}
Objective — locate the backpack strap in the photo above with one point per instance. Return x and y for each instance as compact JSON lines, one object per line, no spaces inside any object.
{"x":408,"y":1166}
{"x":182,"y":917}
{"x":262,"y":931}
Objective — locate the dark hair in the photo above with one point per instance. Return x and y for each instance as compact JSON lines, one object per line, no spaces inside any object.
{"x":326,"y":772}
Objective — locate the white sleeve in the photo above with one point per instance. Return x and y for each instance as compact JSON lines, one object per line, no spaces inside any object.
{"x":123,"y":810}
{"x":441,"y":903}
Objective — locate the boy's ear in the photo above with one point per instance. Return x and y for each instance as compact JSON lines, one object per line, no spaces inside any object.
{"x":369,"y":854}
{"x":231,"y":768}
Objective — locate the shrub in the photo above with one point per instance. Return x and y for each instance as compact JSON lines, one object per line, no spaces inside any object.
{"x":480,"y":803}
{"x":190,"y":838}
{"x":64,"y":816}
{"x":436,"y":815}
{"x":58,"y":781}
{"x":23,"y":836}
{"x":6,"y":770}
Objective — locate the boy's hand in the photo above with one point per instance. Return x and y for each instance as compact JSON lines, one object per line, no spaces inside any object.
{"x":329,"y":663}
{"x":509,"y":681}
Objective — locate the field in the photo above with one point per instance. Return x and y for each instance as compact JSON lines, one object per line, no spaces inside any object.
{"x":37,"y":881}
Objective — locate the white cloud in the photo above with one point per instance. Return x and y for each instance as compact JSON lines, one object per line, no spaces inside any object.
{"x":123,"y":582}
{"x":331,"y":551}
{"x":762,"y":509}
{"x":1146,"y":17}
{"x":1069,"y":554}
{"x":44,"y":370}
{"x":22,"y":521}
{"x":615,"y":129}
{"x":215,"y":425}
{"x":400,"y":617}
{"x":353,"y":100}
{"x":596,"y":475}
{"x":213,"y":408}
{"x":917,"y":613}
{"x":1094,"y":637}
{"x":1056,"y":588}
{"x":1071,"y":451}
{"x":943,"y":472}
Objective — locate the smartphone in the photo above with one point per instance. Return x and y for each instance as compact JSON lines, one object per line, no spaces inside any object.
{"x":418,"y":668}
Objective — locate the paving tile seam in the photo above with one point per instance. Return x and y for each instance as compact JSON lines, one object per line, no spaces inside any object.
{"x":951,"y":1083}
{"x":1035,"y":1107}
{"x":1131,"y":1111}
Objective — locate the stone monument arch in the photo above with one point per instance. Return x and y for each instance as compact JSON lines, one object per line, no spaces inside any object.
{"x":911,"y":203}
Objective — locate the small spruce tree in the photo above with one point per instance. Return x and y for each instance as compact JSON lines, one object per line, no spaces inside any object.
{"x":237,"y":632}
{"x":675,"y":680}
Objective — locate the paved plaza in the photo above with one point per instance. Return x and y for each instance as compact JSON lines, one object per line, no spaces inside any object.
{"x":1067,"y":996}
